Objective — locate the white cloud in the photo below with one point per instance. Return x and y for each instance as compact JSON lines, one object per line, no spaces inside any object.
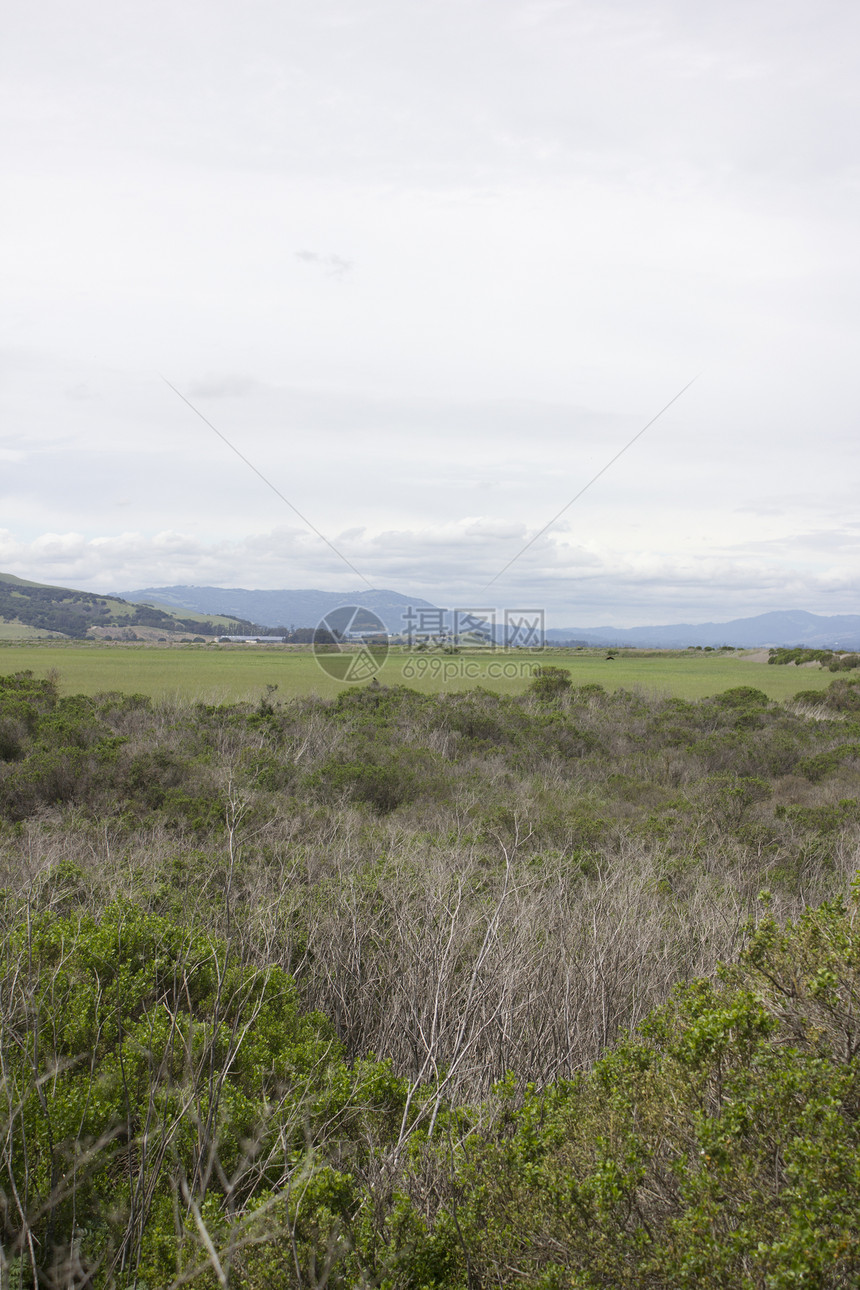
{"x":334,"y":266}
{"x":428,"y":268}
{"x":576,"y":583}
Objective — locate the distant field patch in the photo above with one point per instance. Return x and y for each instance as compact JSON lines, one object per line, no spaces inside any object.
{"x":23,"y":632}
{"x":220,"y":674}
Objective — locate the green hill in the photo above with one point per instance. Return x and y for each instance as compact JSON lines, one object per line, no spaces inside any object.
{"x":32,"y":609}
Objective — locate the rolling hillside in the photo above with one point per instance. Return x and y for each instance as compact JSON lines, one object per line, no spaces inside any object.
{"x":30,"y":610}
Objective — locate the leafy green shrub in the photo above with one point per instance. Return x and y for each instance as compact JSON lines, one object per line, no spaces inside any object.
{"x":822,"y":819}
{"x":814,"y":697}
{"x":717,"y":1148}
{"x":742,"y":706}
{"x":51,"y":776}
{"x":550,"y":683}
{"x":12,"y":738}
{"x":151,"y":1074}
{"x":800,"y":655}
{"x":843,"y":695}
{"x":727,"y":798}
{"x":825,"y":763}
{"x":380,"y":778}
{"x":844,"y":663}
{"x":201,"y":811}
{"x":269,"y":771}
{"x":149,"y":775}
{"x":485,"y":720}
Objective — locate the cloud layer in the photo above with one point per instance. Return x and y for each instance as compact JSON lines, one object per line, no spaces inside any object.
{"x":427,"y":268}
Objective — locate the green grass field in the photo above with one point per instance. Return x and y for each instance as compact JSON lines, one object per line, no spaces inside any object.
{"x":218,"y":674}
{"x":23,"y":632}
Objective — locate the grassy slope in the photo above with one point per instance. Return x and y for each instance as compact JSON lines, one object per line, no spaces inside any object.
{"x":219,"y":674}
{"x":18,"y":631}
{"x":229,"y":624}
{"x":23,"y":582}
{"x":118,"y":612}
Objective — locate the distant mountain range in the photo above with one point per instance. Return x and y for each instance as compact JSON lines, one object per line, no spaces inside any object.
{"x":280,"y":608}
{"x":786,"y":627}
{"x":307,"y":608}
{"x":32,"y":609}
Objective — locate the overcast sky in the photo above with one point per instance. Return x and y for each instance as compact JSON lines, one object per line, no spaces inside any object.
{"x":429,"y":265}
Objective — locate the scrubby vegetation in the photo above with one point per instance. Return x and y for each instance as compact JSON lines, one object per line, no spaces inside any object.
{"x":425,"y":991}
{"x":828,"y":658}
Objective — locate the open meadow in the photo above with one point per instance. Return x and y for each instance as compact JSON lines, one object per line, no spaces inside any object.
{"x":227,"y":674}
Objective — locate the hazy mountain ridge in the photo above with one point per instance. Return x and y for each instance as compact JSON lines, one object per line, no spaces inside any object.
{"x":778,"y":628}
{"x":75,"y":613}
{"x":306,"y":608}
{"x":299,"y":608}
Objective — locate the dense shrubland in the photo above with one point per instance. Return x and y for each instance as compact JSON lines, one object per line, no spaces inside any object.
{"x":828,"y":658}
{"x":411,"y":990}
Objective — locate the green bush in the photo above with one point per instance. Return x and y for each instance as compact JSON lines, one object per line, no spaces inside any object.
{"x":149,"y":1070}
{"x":822,"y":764}
{"x":800,"y":655}
{"x":379,"y":778}
{"x":550,"y":683}
{"x":717,"y":1148}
